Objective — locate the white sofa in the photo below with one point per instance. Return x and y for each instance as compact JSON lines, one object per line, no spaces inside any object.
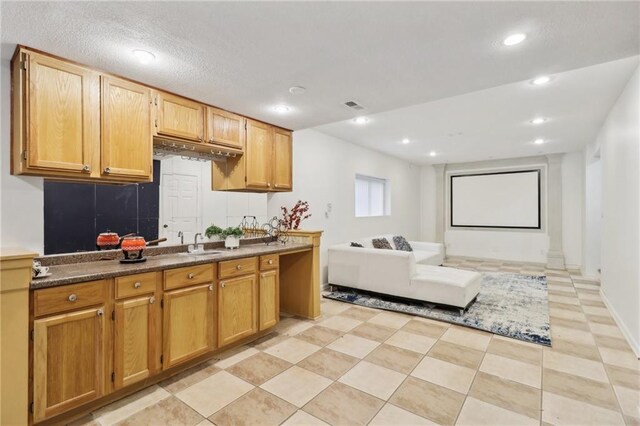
{"x":413,"y":275}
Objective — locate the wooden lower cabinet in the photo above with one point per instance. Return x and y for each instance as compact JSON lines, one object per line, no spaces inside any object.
{"x":135,"y":347}
{"x":269,"y":299}
{"x":68,"y":361}
{"x":188,"y":323}
{"x":237,"y":309}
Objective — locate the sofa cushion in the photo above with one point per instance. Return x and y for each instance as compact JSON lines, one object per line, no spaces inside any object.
{"x":381,"y":243}
{"x":401,"y":243}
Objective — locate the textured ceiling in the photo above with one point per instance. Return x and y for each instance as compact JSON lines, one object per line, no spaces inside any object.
{"x":386,"y":55}
{"x":496,"y":122}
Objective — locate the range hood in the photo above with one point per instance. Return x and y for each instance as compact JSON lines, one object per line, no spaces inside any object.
{"x":164,"y":147}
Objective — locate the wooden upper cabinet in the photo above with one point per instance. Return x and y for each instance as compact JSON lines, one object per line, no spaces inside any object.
{"x":127,"y":145}
{"x":282,"y":160}
{"x":179,"y":117}
{"x":68,"y":361}
{"x":258,"y":156}
{"x":225,"y":128}
{"x":57,"y":114}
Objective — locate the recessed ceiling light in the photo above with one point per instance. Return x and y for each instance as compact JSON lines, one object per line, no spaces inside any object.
{"x":514,"y":39}
{"x":281,"y":109}
{"x":405,"y":141}
{"x":539,"y":141}
{"x":361,"y":120}
{"x":538,"y":120}
{"x":297,"y":90}
{"x":144,"y":57}
{"x":539,"y":81}
{"x":432,"y":154}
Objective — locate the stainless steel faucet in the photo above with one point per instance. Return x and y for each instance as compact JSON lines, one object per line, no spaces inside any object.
{"x":181,"y":235}
{"x":195,"y":239}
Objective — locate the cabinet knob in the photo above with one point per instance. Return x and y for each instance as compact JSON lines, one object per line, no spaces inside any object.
{"x":270,"y":262}
{"x":238,"y":267}
{"x":107,"y":170}
{"x":268,"y":184}
{"x":152,"y":300}
{"x":86,"y":168}
{"x":222,"y":285}
{"x":190,"y":276}
{"x":99,"y":312}
{"x":73,"y":297}
{"x":137,"y":285}
{"x":211,"y":287}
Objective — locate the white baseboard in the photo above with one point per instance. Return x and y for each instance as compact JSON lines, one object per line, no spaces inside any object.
{"x":635,"y":346}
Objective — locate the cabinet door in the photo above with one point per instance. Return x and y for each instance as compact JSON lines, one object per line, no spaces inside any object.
{"x":225,"y":128}
{"x":179,"y":117}
{"x":282,"y":160}
{"x":127,"y":146}
{"x":188,"y":323}
{"x":258,"y":155}
{"x":237,"y":309}
{"x":269,"y":299}
{"x":135,"y":351}
{"x":59,"y":109}
{"x":68,"y":361}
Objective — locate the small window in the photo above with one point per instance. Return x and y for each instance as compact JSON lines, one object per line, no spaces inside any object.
{"x":372,"y":196}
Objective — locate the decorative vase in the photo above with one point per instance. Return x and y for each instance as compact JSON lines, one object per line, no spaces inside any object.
{"x":232,"y":242}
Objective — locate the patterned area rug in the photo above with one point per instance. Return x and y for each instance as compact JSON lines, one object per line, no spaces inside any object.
{"x":511,"y":305}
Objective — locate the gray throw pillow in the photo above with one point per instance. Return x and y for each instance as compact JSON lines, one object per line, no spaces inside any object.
{"x":356,"y":245}
{"x":402,"y":243}
{"x":381,"y":243}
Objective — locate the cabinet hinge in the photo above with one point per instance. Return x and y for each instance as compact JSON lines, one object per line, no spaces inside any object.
{"x":161,"y":303}
{"x":31,"y":407}
{"x":113,"y":376}
{"x":161,"y":359}
{"x":155,"y":122}
{"x":155,"y":102}
{"x":23,"y":65}
{"x":113,"y":315}
{"x":24,"y":155}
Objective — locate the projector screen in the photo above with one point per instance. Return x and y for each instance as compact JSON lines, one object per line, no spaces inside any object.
{"x":496,"y":200}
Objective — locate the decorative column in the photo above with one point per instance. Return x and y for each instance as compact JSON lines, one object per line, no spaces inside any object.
{"x":15,"y":277}
{"x":555,"y":255}
{"x":440,"y":219}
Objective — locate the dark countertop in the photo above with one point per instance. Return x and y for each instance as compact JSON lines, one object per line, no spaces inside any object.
{"x":97,"y":270}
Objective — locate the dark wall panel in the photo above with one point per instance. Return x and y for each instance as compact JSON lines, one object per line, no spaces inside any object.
{"x":75,"y":213}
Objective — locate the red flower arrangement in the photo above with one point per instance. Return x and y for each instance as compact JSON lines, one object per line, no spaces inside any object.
{"x":291,"y":219}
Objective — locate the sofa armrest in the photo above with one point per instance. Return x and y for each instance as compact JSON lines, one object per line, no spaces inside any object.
{"x":425,"y":246}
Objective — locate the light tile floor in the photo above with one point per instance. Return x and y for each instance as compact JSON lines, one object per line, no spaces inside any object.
{"x":358,"y":366}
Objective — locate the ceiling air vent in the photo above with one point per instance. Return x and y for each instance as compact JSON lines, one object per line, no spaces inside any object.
{"x":354,"y":105}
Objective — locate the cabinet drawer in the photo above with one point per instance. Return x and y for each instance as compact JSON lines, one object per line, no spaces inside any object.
{"x":234,"y":268}
{"x":189,"y":275}
{"x":134,"y":285}
{"x":69,"y":297}
{"x":269,"y":261}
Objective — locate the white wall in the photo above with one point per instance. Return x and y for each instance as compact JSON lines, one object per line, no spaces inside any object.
{"x":21,"y":198}
{"x":505,"y":244}
{"x":324,"y":172}
{"x":592,"y":229}
{"x":619,"y":142}
{"x":572,"y":208}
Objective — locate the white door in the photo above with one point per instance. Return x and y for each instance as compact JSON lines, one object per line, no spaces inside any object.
{"x":180,"y":205}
